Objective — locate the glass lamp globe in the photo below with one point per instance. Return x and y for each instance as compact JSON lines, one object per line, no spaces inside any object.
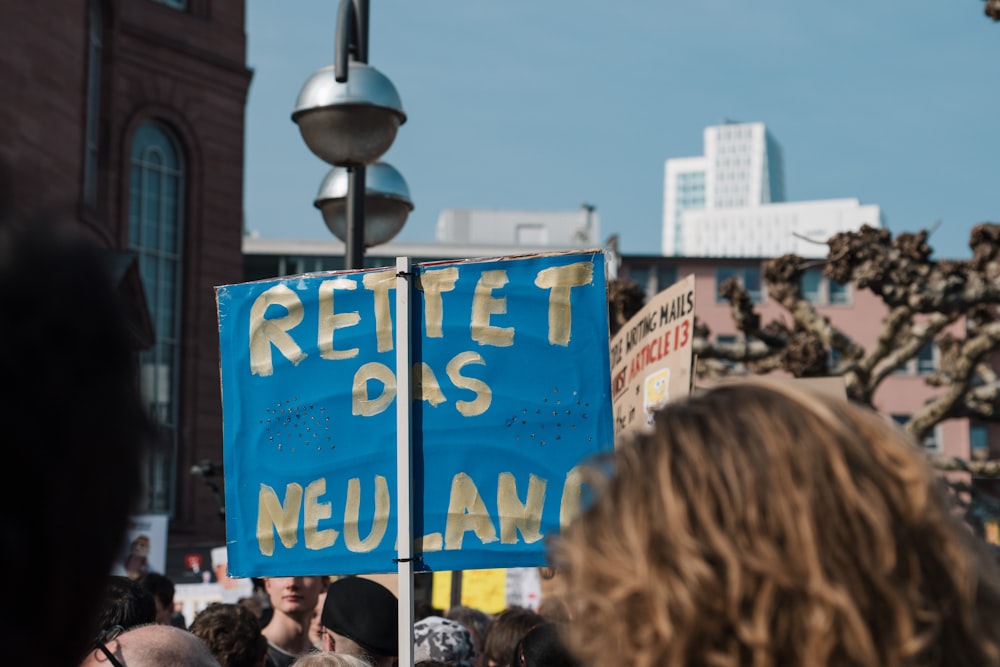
{"x":351,"y":123}
{"x":387,"y":203}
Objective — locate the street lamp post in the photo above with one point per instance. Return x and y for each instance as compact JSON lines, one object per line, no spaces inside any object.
{"x":348,"y":115}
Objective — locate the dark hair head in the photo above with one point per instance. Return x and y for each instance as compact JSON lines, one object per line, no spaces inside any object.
{"x":364,"y":611}
{"x":160,"y":585}
{"x":476,"y":620}
{"x":506,"y":630}
{"x":543,"y":647}
{"x":126,"y":603}
{"x":232,"y":633}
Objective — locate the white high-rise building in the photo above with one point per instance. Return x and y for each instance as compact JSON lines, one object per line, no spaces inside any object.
{"x":730,"y":202}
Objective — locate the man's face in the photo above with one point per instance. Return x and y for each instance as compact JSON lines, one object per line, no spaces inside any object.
{"x":295,"y":595}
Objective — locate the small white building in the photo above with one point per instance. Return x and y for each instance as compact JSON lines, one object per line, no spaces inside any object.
{"x":522,"y":228}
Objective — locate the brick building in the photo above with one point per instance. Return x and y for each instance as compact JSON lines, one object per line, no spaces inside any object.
{"x":129,"y":115}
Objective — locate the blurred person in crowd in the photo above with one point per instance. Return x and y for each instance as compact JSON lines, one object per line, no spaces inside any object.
{"x":75,"y":431}
{"x":293,"y":600}
{"x":506,"y":630}
{"x":260,"y":594}
{"x":543,"y":646}
{"x":764,"y":525}
{"x":232,"y":633}
{"x":361,"y":617}
{"x":232,"y":588}
{"x":256,"y":607}
{"x":476,"y":621}
{"x":125,"y":603}
{"x":423,"y":609}
{"x":152,"y":645}
{"x":316,"y":625}
{"x":554,"y":609}
{"x":330,"y":659}
{"x":439,"y":638}
{"x":162,"y":588}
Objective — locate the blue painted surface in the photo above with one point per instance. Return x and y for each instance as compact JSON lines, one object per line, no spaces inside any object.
{"x":293,"y":441}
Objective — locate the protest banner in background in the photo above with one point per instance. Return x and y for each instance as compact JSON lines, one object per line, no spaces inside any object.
{"x":145,"y":548}
{"x":651,"y":357}
{"x":511,"y":391}
{"x":480,"y":589}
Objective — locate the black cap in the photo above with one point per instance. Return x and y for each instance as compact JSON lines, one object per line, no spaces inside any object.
{"x":364,"y":611}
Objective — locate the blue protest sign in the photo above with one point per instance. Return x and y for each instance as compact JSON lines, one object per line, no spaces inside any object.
{"x":510,"y":392}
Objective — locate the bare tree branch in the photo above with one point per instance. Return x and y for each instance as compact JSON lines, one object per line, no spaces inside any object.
{"x":943,"y":407}
{"x":905,"y":347}
{"x":992,"y":9}
{"x":924,"y":298}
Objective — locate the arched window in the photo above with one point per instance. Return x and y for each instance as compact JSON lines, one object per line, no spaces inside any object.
{"x":156,"y":217}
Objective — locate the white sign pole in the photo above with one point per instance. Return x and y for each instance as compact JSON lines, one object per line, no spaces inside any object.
{"x":404,"y":464}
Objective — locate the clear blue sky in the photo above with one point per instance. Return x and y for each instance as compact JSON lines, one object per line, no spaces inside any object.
{"x":546,"y":104}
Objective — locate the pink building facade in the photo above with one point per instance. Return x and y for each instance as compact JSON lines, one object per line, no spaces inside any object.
{"x":857,"y":313}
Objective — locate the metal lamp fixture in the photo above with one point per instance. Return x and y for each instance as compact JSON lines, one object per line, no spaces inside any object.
{"x":349,"y":123}
{"x":387,"y":203}
{"x":348,"y":114}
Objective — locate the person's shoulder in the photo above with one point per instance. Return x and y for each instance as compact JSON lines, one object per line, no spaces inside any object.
{"x":278,"y":657}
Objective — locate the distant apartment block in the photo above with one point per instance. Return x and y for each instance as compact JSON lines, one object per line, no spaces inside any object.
{"x":730,"y":202}
{"x":521,"y":228}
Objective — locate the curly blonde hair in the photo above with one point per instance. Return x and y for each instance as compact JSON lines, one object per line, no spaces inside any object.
{"x":763,"y":526}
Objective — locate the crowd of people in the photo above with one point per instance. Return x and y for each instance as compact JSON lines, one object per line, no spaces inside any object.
{"x":316,"y":621}
{"x":756,"y":525}
{"x":797,"y":530}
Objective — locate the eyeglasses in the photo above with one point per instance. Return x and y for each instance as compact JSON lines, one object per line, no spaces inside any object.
{"x":106,"y":636}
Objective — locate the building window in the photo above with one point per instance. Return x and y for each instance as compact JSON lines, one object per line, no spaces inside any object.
{"x":923,"y":363}
{"x":833,"y":358}
{"x":652,"y":279}
{"x":665,"y":277}
{"x":156,"y":217}
{"x":727,"y":340}
{"x":640,"y":275}
{"x":819,"y":290}
{"x":748,"y":276}
{"x":932,"y":441}
{"x":925,"y":359}
{"x":979,"y":442}
{"x":95,"y":51}
{"x":839,"y":295}
{"x":811,"y":284}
